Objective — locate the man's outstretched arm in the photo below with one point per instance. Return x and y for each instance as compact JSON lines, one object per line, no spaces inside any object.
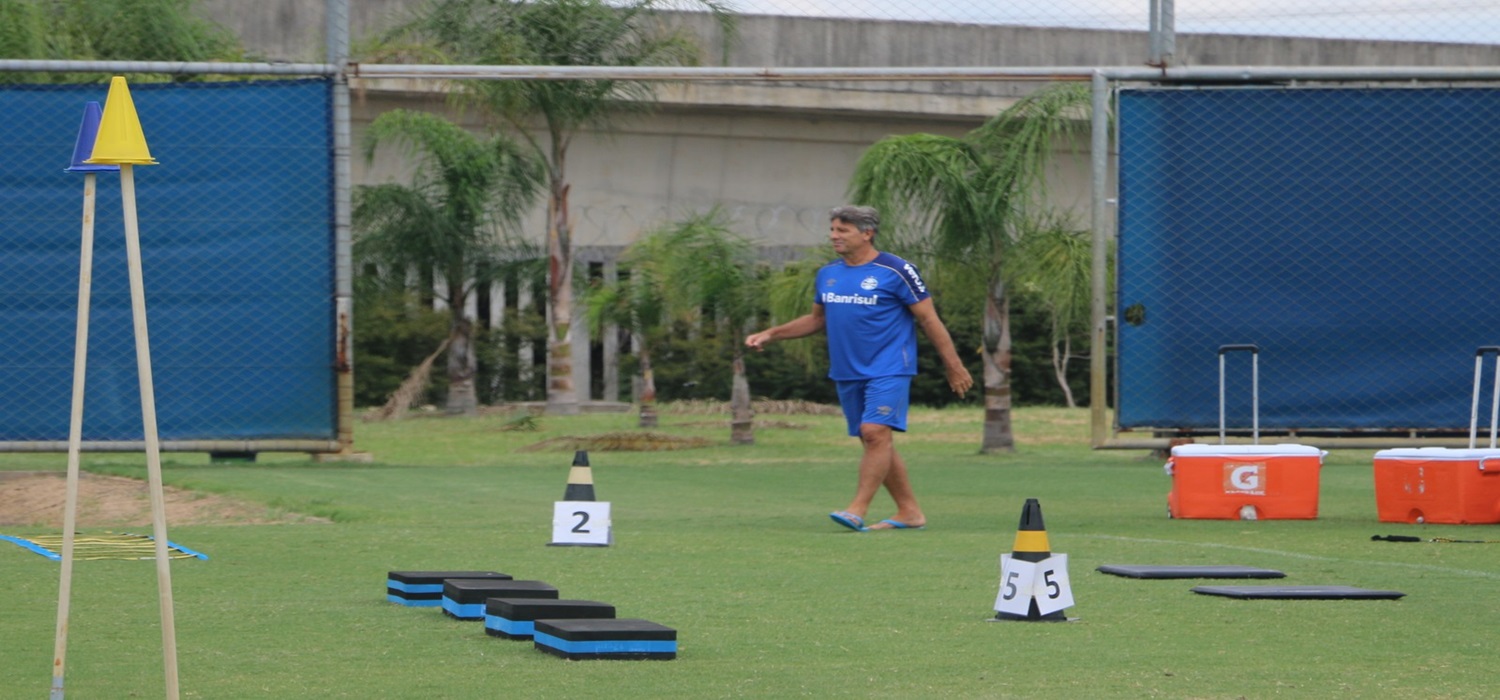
{"x":796,"y":328}
{"x":927,"y":317}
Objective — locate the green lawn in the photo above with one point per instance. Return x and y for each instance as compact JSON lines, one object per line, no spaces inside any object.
{"x":732,"y":546}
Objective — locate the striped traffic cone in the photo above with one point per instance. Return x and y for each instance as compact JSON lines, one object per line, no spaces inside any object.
{"x":578,"y":519}
{"x":580,"y":479}
{"x":1031,"y":546}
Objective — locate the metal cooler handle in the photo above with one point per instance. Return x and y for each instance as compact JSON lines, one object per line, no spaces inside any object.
{"x":1254,"y":387}
{"x":1474,"y":410}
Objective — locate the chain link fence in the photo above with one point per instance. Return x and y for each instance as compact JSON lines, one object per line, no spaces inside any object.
{"x":237,"y":259}
{"x":1338,"y":228}
{"x":1347,"y":232}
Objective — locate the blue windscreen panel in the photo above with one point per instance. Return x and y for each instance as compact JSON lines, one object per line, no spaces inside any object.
{"x":236,"y":235}
{"x":1353,"y":234}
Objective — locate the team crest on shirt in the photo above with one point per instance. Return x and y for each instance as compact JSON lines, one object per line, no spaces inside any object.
{"x":869,"y":283}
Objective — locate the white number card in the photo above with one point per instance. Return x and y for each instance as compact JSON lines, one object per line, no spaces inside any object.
{"x":581,"y":522}
{"x":1045,"y":581}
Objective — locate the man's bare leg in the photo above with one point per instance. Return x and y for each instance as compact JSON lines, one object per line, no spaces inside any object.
{"x":882,"y":465}
{"x":898,"y":485}
{"x":874,"y":465}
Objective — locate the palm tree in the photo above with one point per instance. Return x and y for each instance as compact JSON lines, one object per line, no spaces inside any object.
{"x":1053,"y":267}
{"x":972,"y":198}
{"x":554,"y":32}
{"x":688,"y":273}
{"x":714,"y":274}
{"x":636,"y":303}
{"x":126,"y":30}
{"x":447,"y":223}
{"x":23,"y":34}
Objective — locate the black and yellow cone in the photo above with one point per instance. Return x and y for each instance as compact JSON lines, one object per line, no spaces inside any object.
{"x":580,"y":479}
{"x":1031,"y":545}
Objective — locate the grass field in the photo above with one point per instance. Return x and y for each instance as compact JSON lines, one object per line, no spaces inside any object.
{"x":732,"y":546}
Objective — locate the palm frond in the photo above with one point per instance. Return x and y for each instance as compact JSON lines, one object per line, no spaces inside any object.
{"x":561,"y":33}
{"x":968,"y":199}
{"x":1022,"y":140}
{"x":789,"y":293}
{"x":790,"y":289}
{"x":467,"y":173}
{"x":411,"y":388}
{"x":451,"y":219}
{"x":911,"y":180}
{"x":711,"y":267}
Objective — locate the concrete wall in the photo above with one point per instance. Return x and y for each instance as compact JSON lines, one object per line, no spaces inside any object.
{"x":777,"y":173}
{"x":292,"y":30}
{"x":767,"y":150}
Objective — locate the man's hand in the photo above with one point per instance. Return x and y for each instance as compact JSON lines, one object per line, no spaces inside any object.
{"x":758,"y":341}
{"x":959,"y":379}
{"x":799,"y":327}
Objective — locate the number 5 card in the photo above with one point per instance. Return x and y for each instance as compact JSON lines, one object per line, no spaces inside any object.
{"x":1045,"y":581}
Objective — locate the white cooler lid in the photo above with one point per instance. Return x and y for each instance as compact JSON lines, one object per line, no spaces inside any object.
{"x":1438,"y":453}
{"x":1281,"y":450}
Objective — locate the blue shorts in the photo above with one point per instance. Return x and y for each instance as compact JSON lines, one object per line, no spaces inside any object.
{"x":882,"y":400}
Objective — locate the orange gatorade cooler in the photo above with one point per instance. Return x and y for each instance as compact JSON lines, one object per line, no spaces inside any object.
{"x":1440,"y":484}
{"x":1437,"y":485}
{"x":1245,"y":482}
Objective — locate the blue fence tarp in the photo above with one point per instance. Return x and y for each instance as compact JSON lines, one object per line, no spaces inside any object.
{"x":1351,"y":233}
{"x":236,"y":234}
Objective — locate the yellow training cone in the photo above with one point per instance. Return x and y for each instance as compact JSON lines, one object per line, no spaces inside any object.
{"x":120,"y":139}
{"x":1033,"y":583}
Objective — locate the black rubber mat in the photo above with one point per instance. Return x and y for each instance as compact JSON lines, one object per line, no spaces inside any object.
{"x":1159,"y":571}
{"x":1299,"y":592}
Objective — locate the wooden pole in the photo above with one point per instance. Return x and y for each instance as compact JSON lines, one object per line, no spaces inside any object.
{"x":75,"y":435}
{"x":148,"y":416}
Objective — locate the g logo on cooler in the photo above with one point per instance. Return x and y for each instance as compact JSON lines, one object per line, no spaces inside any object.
{"x":1248,"y":478}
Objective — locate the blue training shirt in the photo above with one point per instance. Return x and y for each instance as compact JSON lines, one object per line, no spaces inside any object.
{"x":871,"y":332}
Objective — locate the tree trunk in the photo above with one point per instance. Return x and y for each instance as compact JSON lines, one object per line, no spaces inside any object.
{"x":562,"y":397}
{"x":997,"y":430}
{"x":1060,"y":357}
{"x":742,"y":422}
{"x":648,"y":390}
{"x":462,"y":366}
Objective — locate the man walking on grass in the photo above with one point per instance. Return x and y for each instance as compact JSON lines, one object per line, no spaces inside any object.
{"x":869,"y":303}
